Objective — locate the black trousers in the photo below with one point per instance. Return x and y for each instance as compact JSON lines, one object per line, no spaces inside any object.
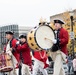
{"x":20,"y":67}
{"x":69,"y":67}
{"x":74,"y":72}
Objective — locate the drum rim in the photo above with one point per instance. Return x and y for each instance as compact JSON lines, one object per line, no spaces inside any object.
{"x":3,"y":69}
{"x":36,"y":31}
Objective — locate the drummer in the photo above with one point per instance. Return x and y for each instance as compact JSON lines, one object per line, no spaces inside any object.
{"x":11,"y":45}
{"x":59,"y":50}
{"x":41,"y":62}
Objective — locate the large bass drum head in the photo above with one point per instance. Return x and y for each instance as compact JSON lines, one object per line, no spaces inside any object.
{"x":44,"y":31}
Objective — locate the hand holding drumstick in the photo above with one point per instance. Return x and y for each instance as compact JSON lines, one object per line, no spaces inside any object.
{"x":54,"y":41}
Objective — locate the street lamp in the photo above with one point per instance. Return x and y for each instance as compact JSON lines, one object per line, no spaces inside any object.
{"x":72,"y":32}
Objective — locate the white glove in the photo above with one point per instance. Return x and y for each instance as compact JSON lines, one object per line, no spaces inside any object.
{"x":54,"y":41}
{"x":17,"y":42}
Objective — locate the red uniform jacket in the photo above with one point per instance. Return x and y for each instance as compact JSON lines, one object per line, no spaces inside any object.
{"x":24,"y":51}
{"x":63,"y":38}
{"x":13,"y":45}
{"x":41,"y":56}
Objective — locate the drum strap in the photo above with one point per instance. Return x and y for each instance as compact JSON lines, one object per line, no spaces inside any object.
{"x":57,"y":37}
{"x":58,"y":32}
{"x":44,"y":53}
{"x":56,"y":46}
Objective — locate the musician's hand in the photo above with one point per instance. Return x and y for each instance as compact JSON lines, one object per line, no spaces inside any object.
{"x":17,"y":42}
{"x":11,"y":49}
{"x":54,"y":41}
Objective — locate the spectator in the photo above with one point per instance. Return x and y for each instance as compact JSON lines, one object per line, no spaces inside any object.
{"x":69,"y":63}
{"x":74,"y":65}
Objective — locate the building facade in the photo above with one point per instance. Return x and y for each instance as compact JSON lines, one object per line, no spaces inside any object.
{"x":24,"y":29}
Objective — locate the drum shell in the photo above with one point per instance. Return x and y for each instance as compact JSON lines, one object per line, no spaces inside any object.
{"x":31,"y":39}
{"x":6,"y":63}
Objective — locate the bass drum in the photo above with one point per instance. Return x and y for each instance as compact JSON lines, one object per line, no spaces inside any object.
{"x":39,"y":37}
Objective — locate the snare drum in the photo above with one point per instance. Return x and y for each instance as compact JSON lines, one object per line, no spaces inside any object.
{"x":5,"y":63}
{"x":36,"y":37}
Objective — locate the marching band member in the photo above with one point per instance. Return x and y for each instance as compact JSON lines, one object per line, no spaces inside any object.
{"x":25,"y":57}
{"x":59,"y":50}
{"x":41,"y":62}
{"x":11,"y":44}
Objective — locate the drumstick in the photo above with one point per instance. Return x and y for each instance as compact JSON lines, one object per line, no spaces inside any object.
{"x":48,"y":39}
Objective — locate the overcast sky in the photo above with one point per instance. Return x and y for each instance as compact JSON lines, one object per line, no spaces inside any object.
{"x":29,"y":12}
